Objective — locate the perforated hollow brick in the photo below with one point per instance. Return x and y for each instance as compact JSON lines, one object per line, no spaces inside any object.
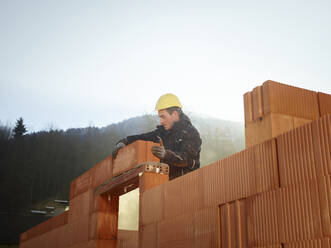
{"x":321,"y":130}
{"x":305,"y":152}
{"x":151,"y":206}
{"x":102,"y":172}
{"x":80,"y":205}
{"x":285,"y":215}
{"x":148,"y":236}
{"x":176,"y":232}
{"x":127,"y":238}
{"x":289,"y":100}
{"x":324,"y":196}
{"x":324,"y":101}
{"x":81,"y":184}
{"x":233,"y":220}
{"x":132,"y":155}
{"x":315,"y":243}
{"x":184,"y":194}
{"x":270,"y":126}
{"x":149,"y":180}
{"x":248,"y":109}
{"x":275,"y":108}
{"x":297,"y":161}
{"x":206,"y":228}
{"x":240,"y":175}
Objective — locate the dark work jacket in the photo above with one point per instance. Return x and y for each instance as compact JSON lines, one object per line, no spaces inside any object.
{"x":182,"y":143}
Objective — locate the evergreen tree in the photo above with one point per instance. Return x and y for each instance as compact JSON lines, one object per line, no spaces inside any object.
{"x":19,"y":129}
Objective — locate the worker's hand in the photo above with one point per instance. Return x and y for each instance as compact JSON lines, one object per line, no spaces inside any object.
{"x":118,"y":146}
{"x":159,"y":151}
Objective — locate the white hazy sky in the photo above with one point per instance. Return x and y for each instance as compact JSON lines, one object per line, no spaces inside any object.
{"x":77,"y":63}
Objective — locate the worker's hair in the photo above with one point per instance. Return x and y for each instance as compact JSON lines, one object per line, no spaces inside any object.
{"x":172,"y":109}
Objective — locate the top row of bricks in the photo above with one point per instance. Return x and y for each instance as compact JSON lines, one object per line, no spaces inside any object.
{"x":274,"y":97}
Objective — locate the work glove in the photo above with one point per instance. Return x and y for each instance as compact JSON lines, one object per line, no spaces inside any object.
{"x":159,"y":151}
{"x":118,"y":146}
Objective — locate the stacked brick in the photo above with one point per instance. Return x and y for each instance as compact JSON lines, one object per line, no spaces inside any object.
{"x":274,"y":108}
{"x":185,"y":212}
{"x":92,"y":219}
{"x":273,"y":194}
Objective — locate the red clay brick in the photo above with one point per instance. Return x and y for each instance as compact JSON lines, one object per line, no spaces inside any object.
{"x":324,"y":101}
{"x":108,"y":220}
{"x":322,"y":143}
{"x":297,"y":122}
{"x":280,"y":123}
{"x":105,"y":243}
{"x":305,"y":152}
{"x":127,"y":238}
{"x":173,"y":201}
{"x":243,"y":174}
{"x":63,"y":236}
{"x":149,"y":180}
{"x":296,"y":156}
{"x":79,"y":230}
{"x":239,"y":175}
{"x":258,"y":131}
{"x":269,"y":126}
{"x":324,"y":196}
{"x":93,"y":226}
{"x":257,"y":103}
{"x":289,"y":100}
{"x":262,"y":219}
{"x":149,"y":155}
{"x":23,"y":237}
{"x":99,"y":203}
{"x":266,"y":166}
{"x":151,"y":205}
{"x":103,"y":171}
{"x":60,"y":220}
{"x":81,"y":183}
{"x":104,"y":222}
{"x":80,"y":205}
{"x":96,"y":244}
{"x":269,"y":246}
{"x":206,"y":228}
{"x":184,"y":194}
{"x":132,"y":155}
{"x":234,"y":224}
{"x":148,"y":236}
{"x":227,"y":226}
{"x":192,"y":191}
{"x":214,"y":184}
{"x":241,"y":223}
{"x":86,"y":244}
{"x":315,"y":243}
{"x":248,"y":108}
{"x":303,"y":212}
{"x":177,"y":232}
{"x":285,"y":215}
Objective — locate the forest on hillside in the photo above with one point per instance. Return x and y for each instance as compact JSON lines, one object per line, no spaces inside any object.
{"x":39,"y":166}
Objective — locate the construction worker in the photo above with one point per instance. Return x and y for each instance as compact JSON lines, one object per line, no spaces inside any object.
{"x":180,"y":140}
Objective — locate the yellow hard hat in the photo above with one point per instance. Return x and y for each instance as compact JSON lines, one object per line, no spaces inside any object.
{"x":167,"y":101}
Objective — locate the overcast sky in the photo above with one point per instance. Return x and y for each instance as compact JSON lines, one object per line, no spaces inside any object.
{"x":76,"y":63}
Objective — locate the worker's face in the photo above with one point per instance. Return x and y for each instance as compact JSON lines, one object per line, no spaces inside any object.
{"x":167,"y":120}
